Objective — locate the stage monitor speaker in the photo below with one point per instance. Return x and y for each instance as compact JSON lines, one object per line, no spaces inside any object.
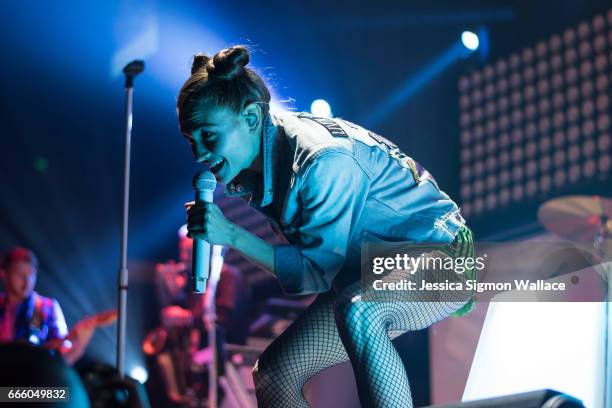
{"x":532,"y":399}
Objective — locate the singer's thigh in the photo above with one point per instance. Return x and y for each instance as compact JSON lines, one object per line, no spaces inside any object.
{"x":310,"y":345}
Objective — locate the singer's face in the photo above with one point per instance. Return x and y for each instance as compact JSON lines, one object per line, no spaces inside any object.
{"x":223,"y":140}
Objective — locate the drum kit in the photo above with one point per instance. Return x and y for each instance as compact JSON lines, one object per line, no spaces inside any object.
{"x":586,"y":222}
{"x":580,"y":219}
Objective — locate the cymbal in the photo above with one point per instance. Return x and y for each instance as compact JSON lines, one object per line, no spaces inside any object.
{"x":577,"y":218}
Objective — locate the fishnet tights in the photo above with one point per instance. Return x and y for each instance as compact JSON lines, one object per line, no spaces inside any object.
{"x":339,"y":327}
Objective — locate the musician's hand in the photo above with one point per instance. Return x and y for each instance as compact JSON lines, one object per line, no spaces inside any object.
{"x":206,"y":221}
{"x":80,"y":335}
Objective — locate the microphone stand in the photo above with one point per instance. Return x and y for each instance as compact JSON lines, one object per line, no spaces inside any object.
{"x":131,"y":70}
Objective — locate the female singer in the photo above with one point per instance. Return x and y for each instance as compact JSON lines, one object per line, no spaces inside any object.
{"x":328,"y":185}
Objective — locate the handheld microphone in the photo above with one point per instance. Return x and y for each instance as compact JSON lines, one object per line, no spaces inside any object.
{"x":204,"y":184}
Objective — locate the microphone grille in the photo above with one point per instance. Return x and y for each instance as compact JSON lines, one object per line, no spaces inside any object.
{"x":204,"y":180}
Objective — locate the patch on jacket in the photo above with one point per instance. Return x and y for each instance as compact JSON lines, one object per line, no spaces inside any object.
{"x":331,"y":126}
{"x":404,"y":160}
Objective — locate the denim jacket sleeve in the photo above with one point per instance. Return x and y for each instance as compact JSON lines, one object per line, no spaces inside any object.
{"x":332,"y":190}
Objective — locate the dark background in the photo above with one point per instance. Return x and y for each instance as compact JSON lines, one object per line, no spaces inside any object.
{"x":62,"y":104}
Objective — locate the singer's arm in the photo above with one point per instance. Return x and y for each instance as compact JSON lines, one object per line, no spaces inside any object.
{"x":254,"y":248}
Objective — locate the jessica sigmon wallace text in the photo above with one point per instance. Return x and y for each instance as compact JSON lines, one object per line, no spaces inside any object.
{"x":517,"y":284}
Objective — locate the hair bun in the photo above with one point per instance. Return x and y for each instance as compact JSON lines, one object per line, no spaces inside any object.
{"x":228,"y":63}
{"x":199,"y":62}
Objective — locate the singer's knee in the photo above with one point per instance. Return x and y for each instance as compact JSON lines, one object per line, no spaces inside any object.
{"x":349,"y":305}
{"x":356,"y":317}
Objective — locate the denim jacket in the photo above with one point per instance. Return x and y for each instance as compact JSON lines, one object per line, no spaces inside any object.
{"x":328,"y":185}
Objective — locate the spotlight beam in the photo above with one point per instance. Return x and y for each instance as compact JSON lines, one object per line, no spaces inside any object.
{"x":415,"y":83}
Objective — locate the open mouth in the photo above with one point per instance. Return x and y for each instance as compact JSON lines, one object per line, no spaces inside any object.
{"x":217,"y":166}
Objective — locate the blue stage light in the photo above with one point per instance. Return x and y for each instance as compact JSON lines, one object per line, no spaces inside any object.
{"x":470,"y":40}
{"x":320,"y":107}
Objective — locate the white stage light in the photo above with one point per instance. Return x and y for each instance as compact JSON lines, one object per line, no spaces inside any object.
{"x":139,"y":374}
{"x":532,"y":336}
{"x":320,"y":107}
{"x":470,"y":40}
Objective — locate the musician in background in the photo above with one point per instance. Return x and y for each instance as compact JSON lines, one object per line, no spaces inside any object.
{"x":179,"y":345}
{"x":180,"y":306}
{"x":27,"y":316}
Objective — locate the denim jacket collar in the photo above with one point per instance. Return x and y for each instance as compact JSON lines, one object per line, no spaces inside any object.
{"x":248,"y":182}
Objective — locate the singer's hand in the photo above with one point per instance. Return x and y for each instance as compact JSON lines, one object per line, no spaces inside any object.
{"x":206,"y":221}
